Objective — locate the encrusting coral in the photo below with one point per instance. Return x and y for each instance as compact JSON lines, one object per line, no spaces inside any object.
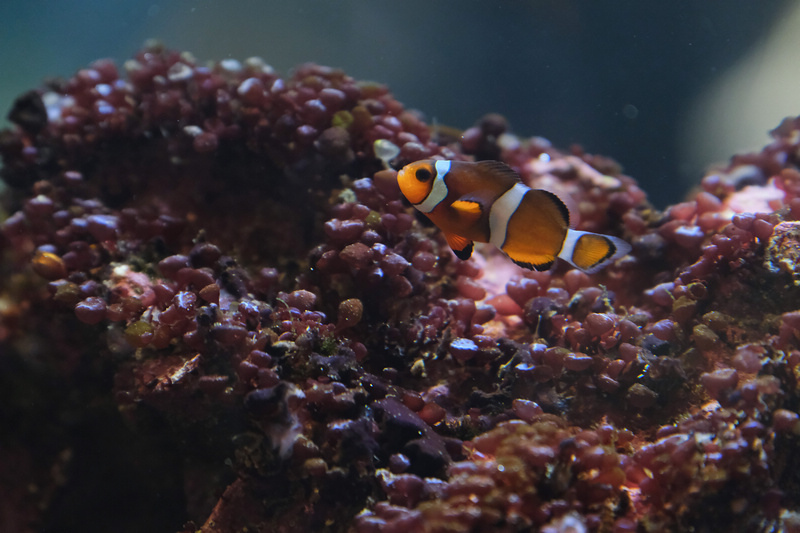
{"x":210,"y":270}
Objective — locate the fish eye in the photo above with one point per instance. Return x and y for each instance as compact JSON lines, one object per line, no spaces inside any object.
{"x":423,"y":174}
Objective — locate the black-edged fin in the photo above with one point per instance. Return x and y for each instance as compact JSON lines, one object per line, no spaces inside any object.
{"x":464,"y":254}
{"x":498,"y":169}
{"x":461,"y":247}
{"x":539,"y":268}
{"x":591,"y":252}
{"x":562,"y":207}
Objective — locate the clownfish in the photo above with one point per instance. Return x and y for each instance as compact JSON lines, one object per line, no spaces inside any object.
{"x":487,"y":202}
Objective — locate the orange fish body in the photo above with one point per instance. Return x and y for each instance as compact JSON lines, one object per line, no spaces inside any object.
{"x":487,"y":202}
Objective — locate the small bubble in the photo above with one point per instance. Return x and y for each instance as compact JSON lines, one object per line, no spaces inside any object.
{"x":630,"y":111}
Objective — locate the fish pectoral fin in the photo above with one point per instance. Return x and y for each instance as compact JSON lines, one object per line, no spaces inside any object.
{"x":461,"y":247}
{"x":469,"y":210}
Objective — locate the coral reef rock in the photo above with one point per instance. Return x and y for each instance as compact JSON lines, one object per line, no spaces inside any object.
{"x":215,"y":305}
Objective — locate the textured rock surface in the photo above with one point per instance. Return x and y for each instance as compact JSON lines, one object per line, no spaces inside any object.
{"x":215,"y":305}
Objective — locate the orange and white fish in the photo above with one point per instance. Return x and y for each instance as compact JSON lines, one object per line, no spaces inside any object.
{"x":487,"y":202}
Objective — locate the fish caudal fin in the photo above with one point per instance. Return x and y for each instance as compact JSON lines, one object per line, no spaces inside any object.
{"x":591,"y":251}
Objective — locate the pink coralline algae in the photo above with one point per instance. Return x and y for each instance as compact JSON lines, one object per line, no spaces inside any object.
{"x":215,"y":304}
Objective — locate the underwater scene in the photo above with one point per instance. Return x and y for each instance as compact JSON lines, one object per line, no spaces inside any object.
{"x":238,"y":295}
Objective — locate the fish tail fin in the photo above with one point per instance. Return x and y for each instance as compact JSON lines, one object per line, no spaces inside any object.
{"x":590,"y":252}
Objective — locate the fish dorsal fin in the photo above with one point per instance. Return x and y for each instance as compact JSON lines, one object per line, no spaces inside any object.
{"x":498,"y":169}
{"x":562,"y":207}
